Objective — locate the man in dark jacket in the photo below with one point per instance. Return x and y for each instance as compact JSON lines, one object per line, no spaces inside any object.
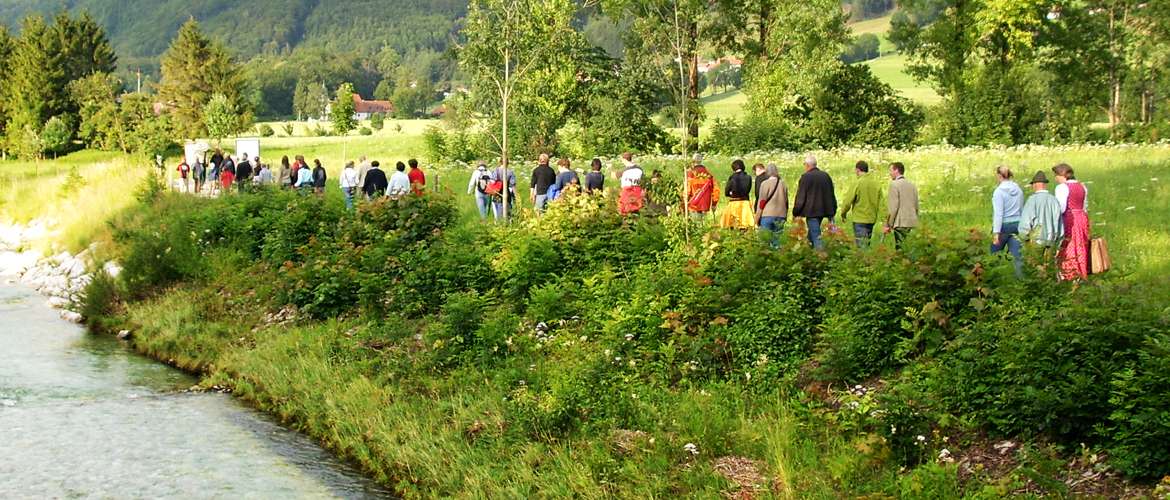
{"x":243,"y":172}
{"x":543,"y":176}
{"x":815,"y":200}
{"x":376,"y":182}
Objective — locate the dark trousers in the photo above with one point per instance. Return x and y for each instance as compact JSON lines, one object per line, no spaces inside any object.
{"x":862,"y":233}
{"x":900,"y":234}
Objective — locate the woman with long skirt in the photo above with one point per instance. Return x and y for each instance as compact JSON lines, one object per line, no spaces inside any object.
{"x":1074,"y":204}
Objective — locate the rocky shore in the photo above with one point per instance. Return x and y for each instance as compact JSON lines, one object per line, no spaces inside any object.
{"x":61,"y":277}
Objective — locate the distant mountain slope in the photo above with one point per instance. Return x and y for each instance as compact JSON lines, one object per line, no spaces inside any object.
{"x":142,"y":29}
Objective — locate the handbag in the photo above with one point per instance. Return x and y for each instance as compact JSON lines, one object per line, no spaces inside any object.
{"x":1099,"y":261}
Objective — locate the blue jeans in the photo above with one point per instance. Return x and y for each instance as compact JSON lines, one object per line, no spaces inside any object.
{"x":498,"y":207}
{"x":484,"y":203}
{"x":1009,"y":237}
{"x":862,"y":233}
{"x":348,"y":193}
{"x":775,"y":225}
{"x":541,"y":202}
{"x":814,"y":231}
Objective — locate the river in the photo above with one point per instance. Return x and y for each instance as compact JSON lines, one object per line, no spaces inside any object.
{"x":82,"y":416}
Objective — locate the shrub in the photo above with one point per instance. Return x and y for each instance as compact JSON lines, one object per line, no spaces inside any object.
{"x":265,"y":130}
{"x":377,"y":121}
{"x":99,"y":298}
{"x":287,"y":128}
{"x":755,"y":133}
{"x":365,"y":131}
{"x":1140,"y":416}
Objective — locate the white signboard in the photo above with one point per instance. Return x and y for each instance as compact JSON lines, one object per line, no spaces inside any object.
{"x":250,"y":147}
{"x":194,"y":151}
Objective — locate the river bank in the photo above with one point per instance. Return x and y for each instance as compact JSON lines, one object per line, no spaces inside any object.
{"x":81,"y":415}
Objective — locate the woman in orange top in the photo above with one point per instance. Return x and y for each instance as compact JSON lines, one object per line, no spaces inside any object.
{"x":702,"y":193}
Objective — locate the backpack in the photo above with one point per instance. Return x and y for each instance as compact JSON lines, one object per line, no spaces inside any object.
{"x":552,"y":193}
{"x":483,"y":183}
{"x":494,"y":188}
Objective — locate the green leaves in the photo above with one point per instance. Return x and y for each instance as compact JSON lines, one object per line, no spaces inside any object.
{"x":342,"y":111}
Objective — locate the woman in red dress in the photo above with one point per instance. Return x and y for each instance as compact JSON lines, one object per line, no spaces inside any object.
{"x":1074,"y":203}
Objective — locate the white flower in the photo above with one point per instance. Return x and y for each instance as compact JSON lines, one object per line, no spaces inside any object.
{"x":691,"y":448}
{"x":608,"y":352}
{"x":629,"y":337}
{"x":584,"y":338}
{"x":1127,"y":209}
{"x":945,"y":456}
{"x":893,"y":430}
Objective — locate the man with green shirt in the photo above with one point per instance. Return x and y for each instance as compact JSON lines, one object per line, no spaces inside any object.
{"x":866,"y":201}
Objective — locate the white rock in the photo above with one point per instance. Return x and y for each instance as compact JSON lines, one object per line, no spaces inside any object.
{"x":58,"y":302}
{"x":112,"y":268}
{"x":71,"y":316}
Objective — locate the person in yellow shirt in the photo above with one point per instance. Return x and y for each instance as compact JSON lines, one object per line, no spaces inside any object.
{"x":866,"y":202}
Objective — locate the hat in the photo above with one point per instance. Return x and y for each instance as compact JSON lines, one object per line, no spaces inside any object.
{"x":1040,"y":177}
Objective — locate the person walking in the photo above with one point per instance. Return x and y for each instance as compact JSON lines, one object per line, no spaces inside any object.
{"x":213,"y":173}
{"x":227,"y":175}
{"x":478,"y":185}
{"x":319,"y":177}
{"x":901,"y":205}
{"x":199,"y":174}
{"x":349,"y":184}
{"x":418,"y":180}
{"x":739,"y":213}
{"x":595,"y":180}
{"x":399,"y":182}
{"x":295,"y":171}
{"x":702,"y":192}
{"x":375,"y":184}
{"x":264,"y":178}
{"x":1074,"y":205}
{"x":1007,"y":204}
{"x":285,"y":178}
{"x":772,"y":207}
{"x":815,"y":200}
{"x":1042,"y":221}
{"x":567,"y":178}
{"x":543,"y":176}
{"x":243,"y":173}
{"x":362,"y":168}
{"x":184,"y":172}
{"x":503,"y":184}
{"x":304,"y":180}
{"x":866,"y":200}
{"x":760,"y":175}
{"x":632,"y":197}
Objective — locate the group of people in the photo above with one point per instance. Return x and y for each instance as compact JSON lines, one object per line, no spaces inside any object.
{"x":225,"y":171}
{"x":368,"y":178}
{"x":815,"y":201}
{"x":1054,"y":221}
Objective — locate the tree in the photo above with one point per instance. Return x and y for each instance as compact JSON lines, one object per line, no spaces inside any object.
{"x":6,"y":46}
{"x":96,"y":98}
{"x":796,"y":57}
{"x":506,"y":42}
{"x":666,"y":34}
{"x":32,"y":70}
{"x":310,"y":100}
{"x":194,"y":69}
{"x":342,"y":110}
{"x":56,"y":136}
{"x":219,"y":118}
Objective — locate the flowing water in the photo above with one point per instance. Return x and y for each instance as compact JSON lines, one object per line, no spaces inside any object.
{"x":81,"y":416}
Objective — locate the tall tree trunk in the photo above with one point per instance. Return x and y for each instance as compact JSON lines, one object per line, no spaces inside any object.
{"x":692,"y":58}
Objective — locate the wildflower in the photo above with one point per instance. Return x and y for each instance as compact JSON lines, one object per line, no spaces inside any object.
{"x":617,"y":358}
{"x":893,"y":430}
{"x":633,"y":395}
{"x":629,"y":337}
{"x":920,"y":439}
{"x":691,"y":448}
{"x":584,"y":338}
{"x":945,"y":456}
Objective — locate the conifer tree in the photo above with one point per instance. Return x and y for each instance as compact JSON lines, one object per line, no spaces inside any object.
{"x":5,"y":53}
{"x":194,"y":69}
{"x":32,"y":69}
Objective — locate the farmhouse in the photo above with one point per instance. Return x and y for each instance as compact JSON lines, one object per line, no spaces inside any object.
{"x":363,"y":109}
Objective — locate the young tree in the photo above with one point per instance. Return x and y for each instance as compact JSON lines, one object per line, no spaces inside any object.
{"x":508,"y":40}
{"x":667,"y":34}
{"x":56,"y":135}
{"x":220,"y":118}
{"x":96,"y":98}
{"x":194,"y":69}
{"x":342,"y":111}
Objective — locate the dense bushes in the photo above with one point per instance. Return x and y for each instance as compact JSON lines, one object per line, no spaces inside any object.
{"x":589,"y":321}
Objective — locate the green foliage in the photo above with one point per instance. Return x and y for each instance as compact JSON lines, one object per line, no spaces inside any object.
{"x":220,"y":118}
{"x":56,"y":136}
{"x":287,"y":128}
{"x":365,"y":131}
{"x":99,"y":299}
{"x":1140,"y":415}
{"x":265,"y":130}
{"x":851,"y":106}
{"x":865,"y":47}
{"x":756,"y":132}
{"x":194,"y":70}
{"x":377,"y":121}
{"x":342,"y":111}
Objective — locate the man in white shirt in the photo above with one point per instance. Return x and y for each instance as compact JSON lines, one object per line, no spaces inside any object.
{"x":399,"y":182}
{"x":349,"y":184}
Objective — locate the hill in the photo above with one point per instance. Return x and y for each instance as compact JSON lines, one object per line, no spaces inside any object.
{"x":142,"y":29}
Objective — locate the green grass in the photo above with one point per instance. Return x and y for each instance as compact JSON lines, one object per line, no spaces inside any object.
{"x":891,"y":69}
{"x":728,"y":105}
